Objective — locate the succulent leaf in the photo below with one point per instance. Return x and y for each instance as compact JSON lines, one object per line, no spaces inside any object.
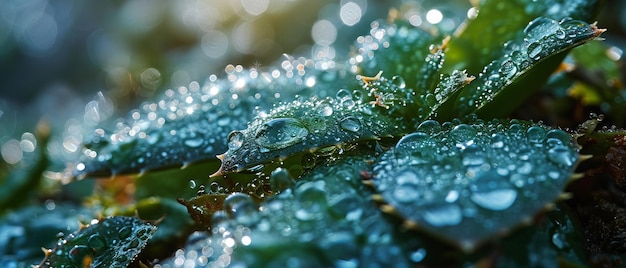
{"x":111,"y":242}
{"x":497,"y":22}
{"x":469,"y":182}
{"x":190,"y":124}
{"x":527,"y":62}
{"x":326,"y":219}
{"x":380,"y":108}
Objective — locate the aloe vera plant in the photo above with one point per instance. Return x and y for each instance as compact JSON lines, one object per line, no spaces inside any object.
{"x":399,"y":154}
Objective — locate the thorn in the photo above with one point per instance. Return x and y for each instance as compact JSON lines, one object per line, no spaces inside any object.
{"x":576,"y":176}
{"x":82,"y":225}
{"x":369,"y":183}
{"x":388,"y":209}
{"x":46,"y":251}
{"x":221,"y":156}
{"x":409,"y":224}
{"x":584,"y":157}
{"x":563,"y":197}
{"x":368,"y":79}
{"x":550,"y":206}
{"x":219,"y":172}
{"x":185,"y":165}
{"x":377,"y":198}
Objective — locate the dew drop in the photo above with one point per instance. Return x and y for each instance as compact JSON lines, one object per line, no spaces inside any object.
{"x":492,"y":191}
{"x":308,"y":161}
{"x":344,"y":94}
{"x":311,"y":203}
{"x":407,"y":193}
{"x":96,"y":242}
{"x":473,"y":156}
{"x":325,"y":109}
{"x":535,"y":134}
{"x":78,"y":253}
{"x":463,"y":132}
{"x":412,"y":139}
{"x":192,"y":184}
{"x":235,"y":140}
{"x":444,"y":214}
{"x":540,"y":27}
{"x":194,"y":143}
{"x":398,"y":81}
{"x":125,"y":232}
{"x":430,"y":127}
{"x":508,"y":69}
{"x":418,"y":255}
{"x":280,"y":133}
{"x":350,"y":124}
{"x":560,"y":154}
{"x":534,"y":49}
{"x":242,"y":208}
{"x":280,"y":179}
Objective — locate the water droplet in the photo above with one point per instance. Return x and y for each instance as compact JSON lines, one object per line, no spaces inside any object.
{"x":535,"y":134}
{"x":430,"y":127}
{"x":78,"y":253}
{"x":492,"y":191}
{"x":235,"y":140}
{"x":406,"y":193}
{"x":350,"y":124}
{"x":344,"y":94}
{"x":560,"y":135}
{"x":280,"y":133}
{"x":540,"y":27}
{"x":534,"y":49}
{"x":308,"y":161}
{"x":463,"y":132}
{"x":473,"y":156}
{"x":562,"y":155}
{"x":445,"y":214}
{"x":325,"y":109}
{"x":96,"y":242}
{"x":194,"y":143}
{"x":125,"y":232}
{"x":410,"y":140}
{"x":192,"y":184}
{"x":241,"y":208}
{"x":560,"y":34}
{"x":418,"y":255}
{"x":398,"y":81}
{"x":508,"y":69}
{"x":280,"y":180}
{"x":311,"y":202}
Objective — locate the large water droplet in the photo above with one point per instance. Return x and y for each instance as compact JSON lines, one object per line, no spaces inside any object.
{"x":311,"y":203}
{"x":463,"y":132}
{"x":540,"y":27}
{"x":534,"y":49}
{"x":280,"y":180}
{"x":96,"y":242}
{"x":508,"y":69}
{"x":241,"y":208}
{"x":492,"y":191}
{"x":562,"y":155}
{"x":281,"y":133}
{"x":351,"y":124}
{"x":535,"y":134}
{"x":324,"y":109}
{"x":398,"y":81}
{"x":235,"y":140}
{"x":78,"y":253}
{"x":445,"y":214}
{"x":430,"y":127}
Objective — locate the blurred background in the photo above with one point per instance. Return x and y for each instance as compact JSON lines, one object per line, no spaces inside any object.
{"x":75,"y":64}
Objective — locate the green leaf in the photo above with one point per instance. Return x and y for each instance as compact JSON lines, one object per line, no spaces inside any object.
{"x":526,"y":64}
{"x":466,"y":183}
{"x":190,"y":124}
{"x":326,"y":219}
{"x":480,"y":42}
{"x":381,"y":108}
{"x":111,"y":242}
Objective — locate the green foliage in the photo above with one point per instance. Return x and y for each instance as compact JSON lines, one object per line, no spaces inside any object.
{"x":111,"y":242}
{"x":387,"y":157}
